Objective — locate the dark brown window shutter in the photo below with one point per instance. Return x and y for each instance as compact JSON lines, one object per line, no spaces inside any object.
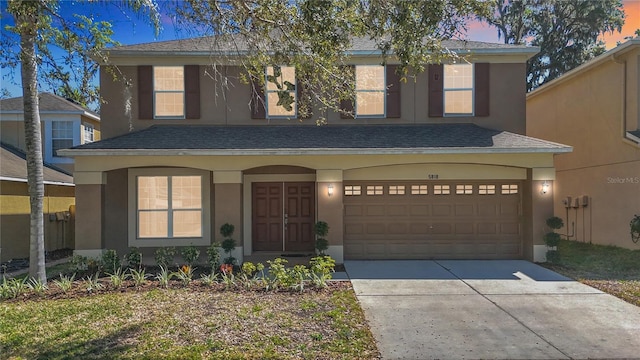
{"x":436,"y":90}
{"x":192,"y":91}
{"x":393,"y":92}
{"x":302,"y":97}
{"x":347,"y":105}
{"x":258,"y":102}
{"x":481,"y":87}
{"x":145,"y":92}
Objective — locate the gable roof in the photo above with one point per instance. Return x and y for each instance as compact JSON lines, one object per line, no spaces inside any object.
{"x":316,"y":140}
{"x":627,"y":46}
{"x":48,"y":103}
{"x":14,"y":168}
{"x":236,"y":45}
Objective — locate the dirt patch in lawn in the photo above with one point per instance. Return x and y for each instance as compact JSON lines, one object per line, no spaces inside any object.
{"x":189,"y":322}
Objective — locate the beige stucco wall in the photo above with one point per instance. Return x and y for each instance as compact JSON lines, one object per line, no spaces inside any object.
{"x":586,"y":111}
{"x":15,"y":219}
{"x":224,"y":100}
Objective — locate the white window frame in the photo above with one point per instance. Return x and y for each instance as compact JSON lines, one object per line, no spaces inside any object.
{"x":445,"y":90}
{"x":135,"y":241}
{"x":383,"y":90}
{"x":49,"y":154}
{"x":183,"y":91}
{"x":267,"y":92}
{"x":87,"y":129}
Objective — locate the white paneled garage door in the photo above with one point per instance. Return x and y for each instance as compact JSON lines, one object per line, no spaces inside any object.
{"x":433,"y":220}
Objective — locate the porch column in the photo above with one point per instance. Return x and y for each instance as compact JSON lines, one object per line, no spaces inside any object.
{"x":330,"y":210}
{"x":538,"y":203}
{"x":89,"y":213}
{"x":227,"y":208}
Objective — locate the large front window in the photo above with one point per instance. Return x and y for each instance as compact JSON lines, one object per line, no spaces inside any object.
{"x":168,"y":91}
{"x":370,"y":90}
{"x":169,"y":206}
{"x":458,"y":89}
{"x":61,"y":136}
{"x":281,"y":91}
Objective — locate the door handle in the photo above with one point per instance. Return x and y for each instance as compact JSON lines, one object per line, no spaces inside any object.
{"x":286,"y":219}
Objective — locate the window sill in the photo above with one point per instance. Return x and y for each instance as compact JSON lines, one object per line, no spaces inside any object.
{"x":155,"y":242}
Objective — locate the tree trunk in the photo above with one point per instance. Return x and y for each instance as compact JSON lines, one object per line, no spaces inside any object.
{"x":27,"y":23}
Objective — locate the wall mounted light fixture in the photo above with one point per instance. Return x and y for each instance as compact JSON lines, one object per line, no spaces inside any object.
{"x":330,"y":189}
{"x":545,"y":187}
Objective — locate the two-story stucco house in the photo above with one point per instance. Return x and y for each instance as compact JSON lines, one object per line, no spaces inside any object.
{"x":436,"y":168}
{"x":64,"y":124}
{"x":595,"y":108}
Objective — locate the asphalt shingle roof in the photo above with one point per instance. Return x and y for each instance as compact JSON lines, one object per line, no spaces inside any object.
{"x":306,"y":137}
{"x":14,"y":165}
{"x":47,"y":102}
{"x":238,"y":44}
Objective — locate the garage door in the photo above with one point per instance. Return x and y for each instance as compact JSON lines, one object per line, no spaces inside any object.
{"x":434,"y":220}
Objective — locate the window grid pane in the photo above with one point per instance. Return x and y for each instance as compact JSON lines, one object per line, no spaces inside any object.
{"x":375,"y":190}
{"x":419,"y":189}
{"x":509,"y":189}
{"x":168,"y":88}
{"x":396,"y":189}
{"x":88,"y":133}
{"x":370,"y":90}
{"x":458,"y":89}
{"x":441,"y":190}
{"x":486,"y":189}
{"x":464,"y":189}
{"x":169,"y":206}
{"x":288,"y":74}
{"x":153,"y":224}
{"x":187,"y":223}
{"x":352,"y":190}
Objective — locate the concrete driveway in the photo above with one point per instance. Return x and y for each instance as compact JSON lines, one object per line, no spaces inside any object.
{"x":458,"y":309}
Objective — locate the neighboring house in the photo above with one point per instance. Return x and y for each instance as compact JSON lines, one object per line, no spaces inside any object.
{"x":64,"y":124}
{"x":595,"y":108}
{"x":59,"y":204}
{"x":436,"y":168}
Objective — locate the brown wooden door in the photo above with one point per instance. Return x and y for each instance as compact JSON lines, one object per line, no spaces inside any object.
{"x":283,"y":216}
{"x":299,"y":216}
{"x":267,"y":217}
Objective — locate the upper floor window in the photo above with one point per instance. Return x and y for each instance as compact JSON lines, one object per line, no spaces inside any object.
{"x":61,"y":136}
{"x":281,"y":91}
{"x":87,"y":133}
{"x":458,"y":89}
{"x":168,"y":91}
{"x":370,"y":90}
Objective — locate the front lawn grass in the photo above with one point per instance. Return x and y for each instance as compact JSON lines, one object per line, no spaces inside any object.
{"x":189,"y":323}
{"x":611,"y":269}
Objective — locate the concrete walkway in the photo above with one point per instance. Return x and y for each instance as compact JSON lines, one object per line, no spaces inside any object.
{"x":490,"y":310}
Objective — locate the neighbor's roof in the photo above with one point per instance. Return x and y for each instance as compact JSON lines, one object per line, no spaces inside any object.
{"x":228,"y":45}
{"x":612,"y":54}
{"x":48,"y":103}
{"x":14,"y":168}
{"x":316,"y":140}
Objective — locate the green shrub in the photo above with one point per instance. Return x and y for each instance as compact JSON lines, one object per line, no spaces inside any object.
{"x":555,"y":223}
{"x":110,"y":261}
{"x":190,"y":255}
{"x":164,"y":256}
{"x":552,"y":239}
{"x":134,"y":258}
{"x":213,"y":256}
{"x":227,"y":230}
{"x":553,"y":256}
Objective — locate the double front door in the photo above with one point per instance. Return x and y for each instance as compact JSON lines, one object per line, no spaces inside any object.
{"x":283,"y":214}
